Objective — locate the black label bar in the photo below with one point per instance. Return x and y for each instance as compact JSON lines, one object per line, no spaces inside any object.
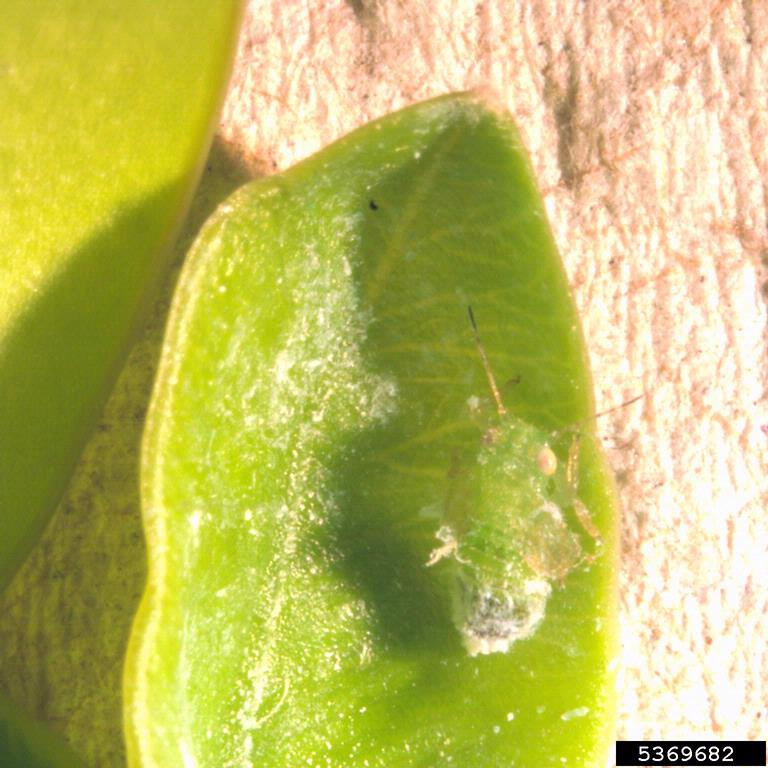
{"x":735,"y":754}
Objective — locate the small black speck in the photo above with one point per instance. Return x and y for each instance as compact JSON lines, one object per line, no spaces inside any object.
{"x":372,"y":205}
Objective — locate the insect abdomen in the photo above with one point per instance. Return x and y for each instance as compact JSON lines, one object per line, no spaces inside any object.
{"x":508,"y":539}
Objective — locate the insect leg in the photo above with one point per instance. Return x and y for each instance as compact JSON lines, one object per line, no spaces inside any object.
{"x":572,"y":481}
{"x":572,"y":465}
{"x":587,"y":523}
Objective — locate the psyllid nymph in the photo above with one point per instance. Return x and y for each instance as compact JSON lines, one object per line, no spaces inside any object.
{"x":511,"y":528}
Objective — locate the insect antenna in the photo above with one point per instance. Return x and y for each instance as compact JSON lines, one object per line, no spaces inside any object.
{"x":572,"y":465}
{"x":576,"y":428}
{"x":486,"y":365}
{"x":619,"y":406}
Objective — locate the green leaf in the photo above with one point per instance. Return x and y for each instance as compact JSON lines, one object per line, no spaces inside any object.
{"x":66,"y":615}
{"x":108,"y":109}
{"x":357,"y":555}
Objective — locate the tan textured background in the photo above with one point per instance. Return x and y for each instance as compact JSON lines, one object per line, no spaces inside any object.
{"x":648,"y":128}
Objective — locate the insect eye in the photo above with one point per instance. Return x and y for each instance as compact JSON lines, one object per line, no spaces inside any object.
{"x":547,"y":461}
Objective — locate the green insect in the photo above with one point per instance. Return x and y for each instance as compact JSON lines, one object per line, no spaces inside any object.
{"x":507,"y":528}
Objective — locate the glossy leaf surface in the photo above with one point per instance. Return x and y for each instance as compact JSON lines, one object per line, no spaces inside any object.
{"x":108,"y":109}
{"x":322,"y":416}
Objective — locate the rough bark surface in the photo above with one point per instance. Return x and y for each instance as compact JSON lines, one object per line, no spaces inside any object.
{"x":648,"y":129}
